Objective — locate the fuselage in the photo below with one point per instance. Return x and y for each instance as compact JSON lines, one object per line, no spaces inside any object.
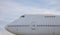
{"x":35,"y":24}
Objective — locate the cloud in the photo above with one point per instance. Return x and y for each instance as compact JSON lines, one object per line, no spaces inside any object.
{"x":54,"y":4}
{"x":48,"y":4}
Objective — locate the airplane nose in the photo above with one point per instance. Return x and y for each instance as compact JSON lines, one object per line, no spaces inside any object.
{"x":11,"y":29}
{"x":7,"y":28}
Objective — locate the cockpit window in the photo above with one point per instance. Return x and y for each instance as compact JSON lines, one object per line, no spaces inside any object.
{"x":23,"y":16}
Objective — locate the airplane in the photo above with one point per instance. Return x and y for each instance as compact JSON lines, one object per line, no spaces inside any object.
{"x":35,"y":24}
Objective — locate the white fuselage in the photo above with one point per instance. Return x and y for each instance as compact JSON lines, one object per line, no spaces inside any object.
{"x":35,"y":24}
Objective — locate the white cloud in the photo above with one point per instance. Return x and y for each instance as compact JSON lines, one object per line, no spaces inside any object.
{"x":53,"y":4}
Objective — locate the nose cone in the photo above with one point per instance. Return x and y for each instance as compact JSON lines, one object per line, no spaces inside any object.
{"x":7,"y":28}
{"x":11,"y":29}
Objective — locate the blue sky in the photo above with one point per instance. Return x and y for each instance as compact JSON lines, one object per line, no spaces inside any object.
{"x":13,"y":9}
{"x":49,"y":4}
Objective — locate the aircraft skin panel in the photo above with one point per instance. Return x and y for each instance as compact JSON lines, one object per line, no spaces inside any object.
{"x":35,"y":24}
